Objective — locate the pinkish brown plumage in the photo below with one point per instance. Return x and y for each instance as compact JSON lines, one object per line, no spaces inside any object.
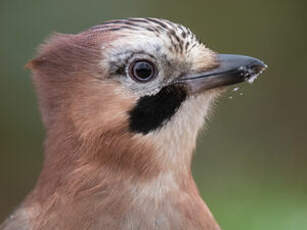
{"x":122,"y":104}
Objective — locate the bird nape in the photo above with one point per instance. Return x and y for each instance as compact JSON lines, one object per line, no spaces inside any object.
{"x":122,"y":104}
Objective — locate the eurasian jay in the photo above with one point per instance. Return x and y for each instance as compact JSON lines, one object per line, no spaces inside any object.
{"x":122,"y":104}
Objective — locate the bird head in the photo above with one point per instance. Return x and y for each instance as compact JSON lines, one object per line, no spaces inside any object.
{"x":141,"y":87}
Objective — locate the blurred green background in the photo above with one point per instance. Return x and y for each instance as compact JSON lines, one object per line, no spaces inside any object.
{"x":251,"y":162}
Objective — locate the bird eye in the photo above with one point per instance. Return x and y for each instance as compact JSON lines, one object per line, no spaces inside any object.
{"x":142,"y":71}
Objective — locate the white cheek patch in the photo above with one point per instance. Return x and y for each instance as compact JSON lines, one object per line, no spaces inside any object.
{"x":176,"y":140}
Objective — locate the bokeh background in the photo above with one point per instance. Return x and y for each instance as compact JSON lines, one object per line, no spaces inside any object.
{"x":251,"y":162}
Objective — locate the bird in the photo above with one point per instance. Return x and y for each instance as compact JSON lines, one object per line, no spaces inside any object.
{"x":122,"y":104}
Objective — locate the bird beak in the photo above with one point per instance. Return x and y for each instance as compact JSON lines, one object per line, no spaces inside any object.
{"x":231,"y":69}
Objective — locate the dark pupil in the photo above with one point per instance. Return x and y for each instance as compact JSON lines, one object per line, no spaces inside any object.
{"x":143,"y":70}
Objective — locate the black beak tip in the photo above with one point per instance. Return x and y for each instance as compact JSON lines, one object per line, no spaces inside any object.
{"x":251,"y":70}
{"x":232,"y":69}
{"x":239,"y":66}
{"x":257,"y":65}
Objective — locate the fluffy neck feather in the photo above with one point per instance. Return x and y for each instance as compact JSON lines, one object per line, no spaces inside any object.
{"x":122,"y":180}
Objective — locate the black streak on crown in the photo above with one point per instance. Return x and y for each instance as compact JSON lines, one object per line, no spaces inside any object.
{"x":151,"y":112}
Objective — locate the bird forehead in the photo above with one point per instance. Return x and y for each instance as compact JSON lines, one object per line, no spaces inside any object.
{"x":151,"y":33}
{"x":172,"y":42}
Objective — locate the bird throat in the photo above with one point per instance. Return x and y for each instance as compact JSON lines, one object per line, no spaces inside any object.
{"x":152,"y":112}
